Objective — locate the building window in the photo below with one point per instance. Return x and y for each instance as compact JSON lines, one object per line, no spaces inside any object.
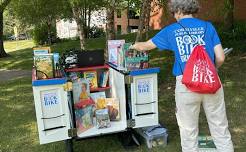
{"x":133,"y":29}
{"x":118,"y":13}
{"x":118,"y":29}
{"x":133,"y":15}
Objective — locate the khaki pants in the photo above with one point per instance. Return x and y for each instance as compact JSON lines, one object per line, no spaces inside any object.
{"x":188,"y":108}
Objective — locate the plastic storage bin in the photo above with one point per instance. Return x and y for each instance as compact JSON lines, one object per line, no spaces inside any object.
{"x":153,"y":136}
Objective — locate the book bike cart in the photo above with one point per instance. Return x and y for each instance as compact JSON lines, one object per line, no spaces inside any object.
{"x":136,"y":91}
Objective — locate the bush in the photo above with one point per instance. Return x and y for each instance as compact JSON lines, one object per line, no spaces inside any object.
{"x":237,"y":33}
{"x":40,"y":34}
{"x":96,"y":32}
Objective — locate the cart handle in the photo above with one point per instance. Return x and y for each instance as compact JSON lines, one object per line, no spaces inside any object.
{"x":54,"y":128}
{"x":54,"y":117}
{"x":145,"y":103}
{"x":143,"y":114}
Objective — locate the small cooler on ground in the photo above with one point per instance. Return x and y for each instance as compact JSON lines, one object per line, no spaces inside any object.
{"x":153,"y":136}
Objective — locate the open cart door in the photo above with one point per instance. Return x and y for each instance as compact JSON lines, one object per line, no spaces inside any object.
{"x":117,"y":82}
{"x":52,"y":110}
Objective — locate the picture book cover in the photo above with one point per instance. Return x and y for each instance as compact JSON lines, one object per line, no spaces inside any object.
{"x":114,"y":47}
{"x":44,"y":66}
{"x":133,"y":59}
{"x":97,"y":95}
{"x":84,"y":119}
{"x":81,"y":94}
{"x":102,"y":119}
{"x":103,"y":80}
{"x":83,"y":105}
{"x":41,"y":50}
{"x":206,"y":144}
{"x":92,"y":77}
{"x":113,"y":107}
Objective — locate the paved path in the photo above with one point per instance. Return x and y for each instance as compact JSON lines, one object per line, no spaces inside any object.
{"x":6,"y":75}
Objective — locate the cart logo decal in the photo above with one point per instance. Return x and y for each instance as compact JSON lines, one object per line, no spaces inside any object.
{"x":143,"y":86}
{"x":50,"y":99}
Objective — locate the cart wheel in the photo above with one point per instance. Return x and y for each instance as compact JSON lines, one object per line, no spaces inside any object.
{"x":69,"y":145}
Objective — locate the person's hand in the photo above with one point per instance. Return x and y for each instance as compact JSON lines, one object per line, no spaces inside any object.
{"x":132,"y":47}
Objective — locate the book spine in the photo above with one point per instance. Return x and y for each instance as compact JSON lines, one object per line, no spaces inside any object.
{"x":105,"y":78}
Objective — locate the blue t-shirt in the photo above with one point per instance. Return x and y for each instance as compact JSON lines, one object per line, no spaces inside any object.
{"x":174,"y":37}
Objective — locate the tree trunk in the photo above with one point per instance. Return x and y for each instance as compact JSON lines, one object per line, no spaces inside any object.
{"x":89,"y":21}
{"x":77,"y":14}
{"x":142,"y":20}
{"x":49,"y":32}
{"x":2,"y":51}
{"x":147,"y":20}
{"x":110,"y":30}
{"x":229,"y":17}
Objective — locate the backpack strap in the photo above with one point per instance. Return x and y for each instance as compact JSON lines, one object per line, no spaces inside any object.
{"x":189,"y":33}
{"x":191,"y":40}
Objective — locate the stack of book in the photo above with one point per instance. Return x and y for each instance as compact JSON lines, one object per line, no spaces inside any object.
{"x":126,"y":59}
{"x":46,"y":63}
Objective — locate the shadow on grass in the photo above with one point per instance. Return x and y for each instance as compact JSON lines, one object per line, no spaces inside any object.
{"x":21,"y":59}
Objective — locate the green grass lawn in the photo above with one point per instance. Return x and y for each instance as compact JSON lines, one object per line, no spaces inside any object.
{"x":18,"y":129}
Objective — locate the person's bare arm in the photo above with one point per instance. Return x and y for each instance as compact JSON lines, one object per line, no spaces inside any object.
{"x":143,"y":46}
{"x":219,"y":55}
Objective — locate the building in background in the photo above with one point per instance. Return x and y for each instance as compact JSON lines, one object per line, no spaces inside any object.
{"x":68,"y":28}
{"x":211,"y":10}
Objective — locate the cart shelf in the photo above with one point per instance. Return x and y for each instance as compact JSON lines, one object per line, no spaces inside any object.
{"x":87,"y":68}
{"x":116,"y":126}
{"x":100,"y":89}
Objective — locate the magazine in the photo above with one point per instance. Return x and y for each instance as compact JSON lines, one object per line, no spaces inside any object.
{"x":44,"y":66}
{"x":114,"y":47}
{"x":92,"y":77}
{"x":113,"y":107}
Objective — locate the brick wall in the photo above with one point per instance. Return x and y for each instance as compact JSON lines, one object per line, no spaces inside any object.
{"x":211,"y":10}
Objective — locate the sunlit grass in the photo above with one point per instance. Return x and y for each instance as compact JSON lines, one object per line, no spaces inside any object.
{"x":18,"y":128}
{"x":11,"y":46}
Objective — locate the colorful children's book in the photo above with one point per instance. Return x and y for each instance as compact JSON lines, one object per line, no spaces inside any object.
{"x":81,"y":90}
{"x":103,"y":80}
{"x":102,"y":119}
{"x":99,"y":99}
{"x":114,"y":47}
{"x":92,"y":77}
{"x":84,"y":119}
{"x":44,"y":66}
{"x":83,"y":105}
{"x":113,"y":107}
{"x":41,"y":50}
{"x":97,"y":95}
{"x":133,"y":59}
{"x":206,"y":144}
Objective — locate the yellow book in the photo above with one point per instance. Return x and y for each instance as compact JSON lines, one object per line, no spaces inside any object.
{"x":91,"y":76}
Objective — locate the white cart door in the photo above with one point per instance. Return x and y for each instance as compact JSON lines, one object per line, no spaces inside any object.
{"x":52,"y":113}
{"x":117,"y":82}
{"x":144,"y":98}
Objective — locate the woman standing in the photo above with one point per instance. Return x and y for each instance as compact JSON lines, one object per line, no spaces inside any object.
{"x":181,"y":38}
